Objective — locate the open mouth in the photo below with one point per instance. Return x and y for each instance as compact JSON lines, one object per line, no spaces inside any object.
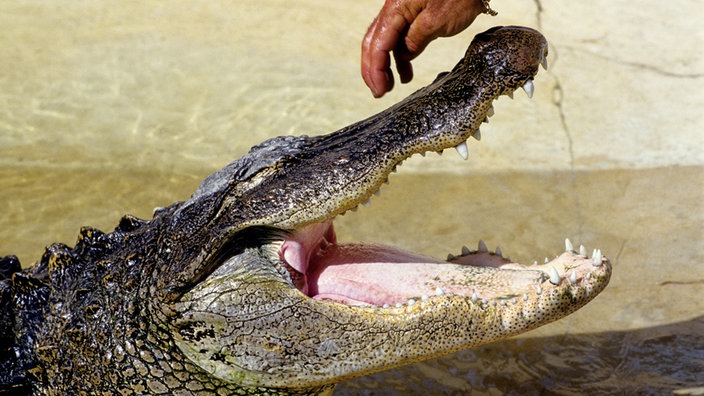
{"x":381,"y":276}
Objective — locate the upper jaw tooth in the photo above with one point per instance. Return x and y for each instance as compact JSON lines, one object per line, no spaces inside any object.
{"x":529,"y":88}
{"x":544,"y":63}
{"x":463,"y":150}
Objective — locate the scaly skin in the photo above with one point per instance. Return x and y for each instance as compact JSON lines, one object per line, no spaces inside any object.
{"x":242,"y":289}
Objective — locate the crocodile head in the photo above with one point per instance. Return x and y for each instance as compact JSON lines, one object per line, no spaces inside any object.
{"x":260,"y":294}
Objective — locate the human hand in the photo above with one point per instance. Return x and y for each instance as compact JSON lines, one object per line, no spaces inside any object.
{"x":406,"y":27}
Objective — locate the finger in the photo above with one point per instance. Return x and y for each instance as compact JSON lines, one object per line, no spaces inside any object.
{"x":402,"y":59}
{"x":380,"y":40}
{"x":366,"y":56}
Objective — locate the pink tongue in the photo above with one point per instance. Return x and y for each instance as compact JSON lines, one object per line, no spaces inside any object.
{"x":371,"y":274}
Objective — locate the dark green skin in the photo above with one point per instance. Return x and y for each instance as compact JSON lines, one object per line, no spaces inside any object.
{"x":103,"y":317}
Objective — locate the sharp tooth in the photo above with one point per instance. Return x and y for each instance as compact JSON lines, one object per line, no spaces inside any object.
{"x":385,"y":306}
{"x":463,"y":150}
{"x":486,"y":120}
{"x":439,"y":292}
{"x":422,"y":154}
{"x":554,"y":276}
{"x":539,"y":290}
{"x":477,"y":134}
{"x":573,"y":278}
{"x":510,"y":94}
{"x":377,"y":192}
{"x":482,"y":247}
{"x":546,"y":261}
{"x":475,"y":297}
{"x":367,"y":203}
{"x":411,"y":302}
{"x":498,"y":252}
{"x":568,"y":245}
{"x":529,"y":88}
{"x":490,"y":112}
{"x":525,"y":297}
{"x":424,"y":298}
{"x":597,"y":257}
{"x":465,"y":250}
{"x":450,"y":257}
{"x":544,"y":63}
{"x":399,"y":305}
{"x":588,"y":276}
{"x":582,"y":251}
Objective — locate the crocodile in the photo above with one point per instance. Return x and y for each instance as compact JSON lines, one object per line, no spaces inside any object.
{"x":244,"y":289}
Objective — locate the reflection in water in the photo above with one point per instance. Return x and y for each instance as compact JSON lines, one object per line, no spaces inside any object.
{"x":645,"y":221}
{"x":658,"y":360}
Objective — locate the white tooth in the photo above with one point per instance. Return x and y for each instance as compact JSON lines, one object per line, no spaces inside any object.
{"x":546,"y":261}
{"x":539,"y":290}
{"x":465,"y":250}
{"x":544,"y":63}
{"x":573,"y":278}
{"x":482,"y":247}
{"x":463,"y":150}
{"x":525,"y":297}
{"x":475,"y":297}
{"x":529,"y":88}
{"x":597,"y":257}
{"x":535,"y":262}
{"x":582,"y":251}
{"x":439,"y":292}
{"x":484,"y":301}
{"x":399,"y":305}
{"x":367,"y":203}
{"x":588,"y":276}
{"x":411,"y":302}
{"x":554,"y":276}
{"x":498,"y":251}
{"x":510,"y":95}
{"x":477,"y":134}
{"x":386,"y":306}
{"x":503,"y":303}
{"x":424,"y":298}
{"x":568,"y":245}
{"x":490,"y":112}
